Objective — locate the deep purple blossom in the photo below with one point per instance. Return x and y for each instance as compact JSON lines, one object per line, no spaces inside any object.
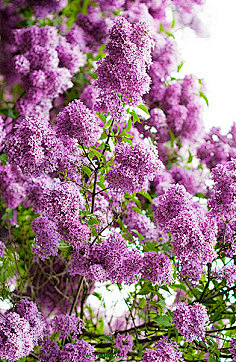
{"x":66,"y":325}
{"x":124,"y":343}
{"x":78,"y":121}
{"x":191,"y":321}
{"x":164,"y":351}
{"x":135,"y":165}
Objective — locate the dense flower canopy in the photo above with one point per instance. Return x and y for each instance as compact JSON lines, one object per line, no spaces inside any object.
{"x":111,"y":190}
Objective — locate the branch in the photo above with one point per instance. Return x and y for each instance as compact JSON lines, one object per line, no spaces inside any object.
{"x":76,"y":295}
{"x":208,"y":282}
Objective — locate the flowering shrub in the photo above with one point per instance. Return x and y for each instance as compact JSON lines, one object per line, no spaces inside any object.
{"x":104,"y":185}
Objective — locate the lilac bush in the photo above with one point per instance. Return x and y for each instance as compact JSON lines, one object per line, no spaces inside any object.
{"x":109,"y":183}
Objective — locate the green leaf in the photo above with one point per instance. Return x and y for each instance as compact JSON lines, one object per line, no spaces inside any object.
{"x":172,"y":138}
{"x":163,"y":320}
{"x":86,"y":170}
{"x":142,"y":303}
{"x":140,"y":236}
{"x":190,"y":157}
{"x":144,"y":108}
{"x":8,"y":214}
{"x":129,"y":125}
{"x":145,"y":194}
{"x":173,"y":23}
{"x":103,"y":136}
{"x":93,"y":220}
{"x":3,"y":158}
{"x":106,"y":338}
{"x":135,"y":117}
{"x":204,"y":97}
{"x":200,"y":195}
{"x":99,"y":155}
{"x":180,"y":66}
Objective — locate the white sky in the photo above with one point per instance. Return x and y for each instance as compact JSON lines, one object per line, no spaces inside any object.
{"x":214,"y":59}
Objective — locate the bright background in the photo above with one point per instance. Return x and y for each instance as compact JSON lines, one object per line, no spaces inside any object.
{"x":214,"y":59}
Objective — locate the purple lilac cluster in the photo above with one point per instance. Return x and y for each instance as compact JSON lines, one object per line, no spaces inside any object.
{"x":91,"y":30}
{"x":233,"y":348}
{"x":2,"y":131}
{"x":223,"y":200}
{"x":79,"y":122}
{"x":227,"y":234}
{"x":49,"y":351}
{"x":143,"y":225}
{"x":218,"y":148}
{"x":124,"y":343}
{"x":182,"y":105}
{"x":223,"y":204}
{"x":164,"y":351}
{"x":228,"y":273}
{"x":45,"y":62}
{"x":66,"y":325}
{"x":33,"y":146}
{"x":179,"y":109}
{"x":135,"y":165}
{"x":111,"y":5}
{"x":166,"y":58}
{"x":12,"y":186}
{"x":79,"y":351}
{"x":193,"y":231}
{"x":2,"y":249}
{"x":122,"y":76}
{"x":112,"y":260}
{"x":60,"y":201}
{"x":109,"y":260}
{"x":47,"y":238}
{"x":42,"y":8}
{"x":157,"y":268}
{"x":20,"y":331}
{"x":191,"y":178}
{"x":29,"y":311}
{"x":191,"y":320}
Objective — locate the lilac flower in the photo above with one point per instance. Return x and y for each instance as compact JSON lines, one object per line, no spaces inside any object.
{"x":32,"y":146}
{"x":44,"y":7}
{"x":111,"y":5}
{"x":164,"y":351}
{"x":233,"y":348}
{"x":2,"y":131}
{"x":29,"y":311}
{"x":192,"y":179}
{"x":94,"y":28}
{"x":191,"y":321}
{"x":80,"y":351}
{"x":66,"y":325}
{"x":12,"y":186}
{"x":49,"y":351}
{"x":223,"y":200}
{"x":134,"y":166}
{"x":124,"y":343}
{"x":122,"y":73}
{"x":193,"y":231}
{"x":77,"y":121}
{"x":157,"y":268}
{"x":16,"y":339}
{"x":60,"y":202}
{"x":142,"y":224}
{"x":45,"y":62}
{"x":109,"y":260}
{"x":2,"y":248}
{"x":47,"y":238}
